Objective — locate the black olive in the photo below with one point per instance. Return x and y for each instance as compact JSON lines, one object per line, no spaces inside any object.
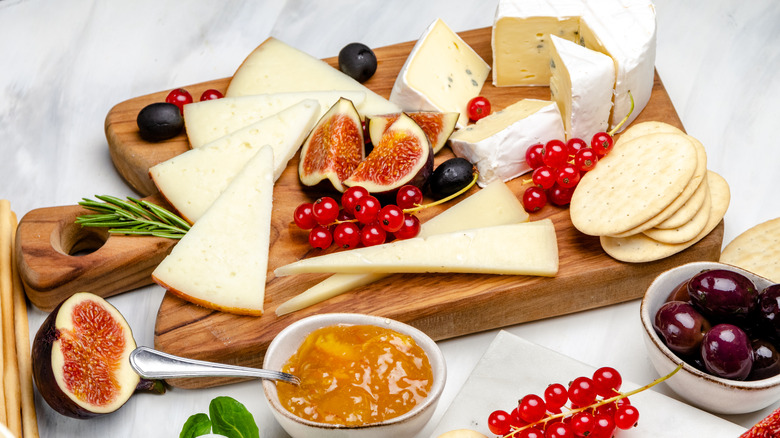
{"x":159,"y":121}
{"x":450,"y":177}
{"x":358,"y":61}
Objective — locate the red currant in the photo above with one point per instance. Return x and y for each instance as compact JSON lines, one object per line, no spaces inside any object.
{"x":555,"y":396}
{"x":347,"y":235}
{"x":325,"y":210}
{"x":543,"y":177}
{"x":560,"y":196}
{"x":558,"y":430}
{"x":478,"y":108}
{"x":601,"y":143}
{"x":534,"y":198}
{"x":585,"y":159}
{"x":351,"y":196}
{"x":534,"y":155}
{"x":391,"y":218}
{"x":607,"y":381}
{"x":303,"y":216}
{"x":498,"y":422}
{"x":408,"y":197}
{"x":603,"y":426}
{"x":410,"y":228}
{"x":320,"y":237}
{"x":532,"y":432}
{"x":367,"y":209}
{"x":211,"y":94}
{"x":179,"y":97}
{"x":555,"y":154}
{"x":568,"y":176}
{"x":582,"y":423}
{"x":515,"y":419}
{"x":372,"y":234}
{"x":626,"y":417}
{"x":575,"y":144}
{"x":582,"y":391}
{"x":532,"y":408}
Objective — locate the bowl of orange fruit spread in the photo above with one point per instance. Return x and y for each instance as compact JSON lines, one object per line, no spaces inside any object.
{"x":361,"y":376}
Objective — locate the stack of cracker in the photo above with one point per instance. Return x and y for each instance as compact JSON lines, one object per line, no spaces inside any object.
{"x":651,"y":196}
{"x":757,"y":250}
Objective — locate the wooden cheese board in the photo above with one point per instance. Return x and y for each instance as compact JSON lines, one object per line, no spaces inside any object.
{"x":442,"y":305}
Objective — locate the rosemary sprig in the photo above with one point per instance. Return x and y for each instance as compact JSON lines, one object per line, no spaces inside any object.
{"x":132,"y":217}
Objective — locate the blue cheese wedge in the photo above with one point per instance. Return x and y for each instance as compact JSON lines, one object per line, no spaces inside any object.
{"x":442,"y":73}
{"x":528,"y":248}
{"x":221,"y":262}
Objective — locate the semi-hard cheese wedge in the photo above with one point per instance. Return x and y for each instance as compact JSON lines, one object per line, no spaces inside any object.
{"x":221,"y":262}
{"x":442,"y":73}
{"x":625,"y":30}
{"x":497,"y":143}
{"x":275,"y":67}
{"x":209,"y":120}
{"x":528,"y":248}
{"x":192,"y":181}
{"x":494,"y":205}
{"x":581,"y":84}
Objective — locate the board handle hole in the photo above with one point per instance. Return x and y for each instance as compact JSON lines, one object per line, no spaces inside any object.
{"x":76,"y":240}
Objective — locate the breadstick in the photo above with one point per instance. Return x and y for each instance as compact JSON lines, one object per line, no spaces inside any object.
{"x":24,"y":362}
{"x":10,"y":365}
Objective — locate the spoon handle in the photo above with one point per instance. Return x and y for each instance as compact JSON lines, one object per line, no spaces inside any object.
{"x":153,"y":364}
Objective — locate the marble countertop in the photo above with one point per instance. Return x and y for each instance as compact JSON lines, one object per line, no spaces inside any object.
{"x":66,"y":63}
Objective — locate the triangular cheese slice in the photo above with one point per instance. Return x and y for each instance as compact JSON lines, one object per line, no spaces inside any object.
{"x":191,"y":182}
{"x":221,"y":262}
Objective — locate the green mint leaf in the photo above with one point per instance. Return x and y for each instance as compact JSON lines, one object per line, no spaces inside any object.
{"x":231,"y":419}
{"x":196,"y":425}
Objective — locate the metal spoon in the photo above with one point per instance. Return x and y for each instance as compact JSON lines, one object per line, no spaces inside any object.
{"x":153,"y":364}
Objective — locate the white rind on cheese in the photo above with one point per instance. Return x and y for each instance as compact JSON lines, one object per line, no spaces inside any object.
{"x":494,"y":205}
{"x":581,"y":84}
{"x":192,"y":181}
{"x":625,"y":30}
{"x":222,"y":261}
{"x":211,"y":119}
{"x":496,"y":144}
{"x":442,"y":73}
{"x":527,"y":248}
{"x":275,"y":67}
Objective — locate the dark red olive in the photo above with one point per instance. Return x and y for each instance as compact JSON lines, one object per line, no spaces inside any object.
{"x":727,"y":352}
{"x":723,"y":295}
{"x":681,"y":326}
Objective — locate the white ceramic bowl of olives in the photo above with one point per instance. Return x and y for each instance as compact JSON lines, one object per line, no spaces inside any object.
{"x":719,"y":322}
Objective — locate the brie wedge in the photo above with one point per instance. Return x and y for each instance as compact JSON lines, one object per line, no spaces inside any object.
{"x":497,"y":143}
{"x":192,"y":181}
{"x":221,"y":262}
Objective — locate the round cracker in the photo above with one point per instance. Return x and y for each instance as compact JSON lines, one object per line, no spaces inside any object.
{"x":756,"y":250}
{"x":689,"y":209}
{"x":644,"y":128}
{"x":633,"y":184}
{"x":640,"y":248}
{"x":685,"y":232}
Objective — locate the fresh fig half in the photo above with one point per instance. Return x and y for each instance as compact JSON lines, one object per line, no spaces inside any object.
{"x":334,"y":147}
{"x":80,"y":358}
{"x":402,"y":156}
{"x":437,"y":126}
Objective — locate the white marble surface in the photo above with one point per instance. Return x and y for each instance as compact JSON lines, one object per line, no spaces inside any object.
{"x":66,"y":63}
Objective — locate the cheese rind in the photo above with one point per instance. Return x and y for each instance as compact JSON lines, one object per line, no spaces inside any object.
{"x":275,"y":67}
{"x":527,"y":248}
{"x":192,"y":181}
{"x":494,"y":205}
{"x":497,"y":143}
{"x":221,"y":262}
{"x":442,"y":73}
{"x":581,"y":84}
{"x":212,"y":119}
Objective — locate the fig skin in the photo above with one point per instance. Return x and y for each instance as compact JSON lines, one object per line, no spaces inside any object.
{"x":43,"y":373}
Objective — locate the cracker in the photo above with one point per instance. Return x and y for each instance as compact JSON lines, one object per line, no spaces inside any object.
{"x":687,"y":231}
{"x":689,"y":209}
{"x":640,"y":248}
{"x":635,"y":182}
{"x":645,"y":128}
{"x":757,"y":250}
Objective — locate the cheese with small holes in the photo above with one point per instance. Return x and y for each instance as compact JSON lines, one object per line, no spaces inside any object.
{"x":222,"y":261}
{"x":625,"y":30}
{"x":442,"y":73}
{"x":275,"y":67}
{"x":581,"y":84}
{"x":496,"y":144}
{"x":211,"y":119}
{"x":496,"y":204}
{"x":528,"y":248}
{"x":192,"y":181}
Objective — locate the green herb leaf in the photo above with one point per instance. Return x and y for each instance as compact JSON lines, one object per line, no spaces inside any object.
{"x":196,"y":425}
{"x":132,"y":217}
{"x":231,"y":419}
